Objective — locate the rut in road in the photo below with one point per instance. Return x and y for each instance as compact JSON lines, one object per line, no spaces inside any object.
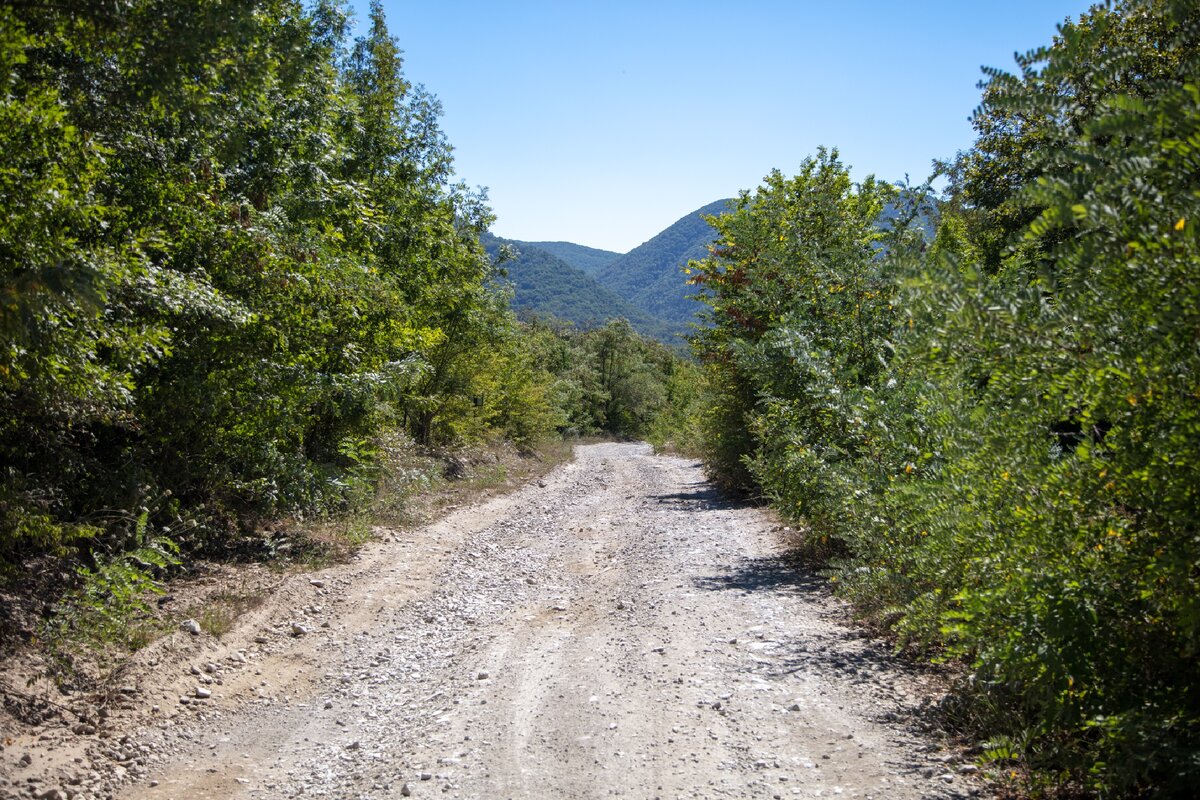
{"x":617,"y":631}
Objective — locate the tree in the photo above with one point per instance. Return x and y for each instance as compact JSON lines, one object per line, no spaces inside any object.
{"x":799,"y":311}
{"x":1129,"y":51}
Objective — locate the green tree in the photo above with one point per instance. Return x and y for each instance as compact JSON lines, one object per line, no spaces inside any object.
{"x":1130,"y":51}
{"x":800,"y":310}
{"x":1056,"y":525}
{"x":244,"y":261}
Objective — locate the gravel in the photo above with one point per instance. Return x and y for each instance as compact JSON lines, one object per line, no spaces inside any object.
{"x":577,"y":638}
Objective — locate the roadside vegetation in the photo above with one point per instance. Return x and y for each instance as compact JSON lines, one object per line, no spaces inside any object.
{"x":992,"y":434}
{"x":241,"y":295}
{"x":240,"y":291}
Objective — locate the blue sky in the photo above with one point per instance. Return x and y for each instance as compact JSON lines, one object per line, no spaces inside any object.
{"x":601,"y":123}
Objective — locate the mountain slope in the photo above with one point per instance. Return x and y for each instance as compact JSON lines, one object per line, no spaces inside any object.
{"x":650,"y":277}
{"x":589,"y":259}
{"x":546,"y":285}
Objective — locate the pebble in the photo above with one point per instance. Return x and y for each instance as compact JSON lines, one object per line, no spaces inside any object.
{"x":53,"y":794}
{"x":401,"y":679}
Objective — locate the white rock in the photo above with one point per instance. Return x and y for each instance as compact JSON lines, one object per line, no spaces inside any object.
{"x":191,"y":626}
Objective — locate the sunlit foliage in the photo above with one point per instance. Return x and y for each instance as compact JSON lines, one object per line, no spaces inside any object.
{"x":997,"y":436}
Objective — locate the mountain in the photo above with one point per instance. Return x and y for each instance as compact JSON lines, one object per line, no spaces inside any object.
{"x":646,"y":286}
{"x":649,"y":276}
{"x":545,"y":284}
{"x":588,"y":259}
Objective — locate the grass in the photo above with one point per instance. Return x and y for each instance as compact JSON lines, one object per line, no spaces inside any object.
{"x":221,"y":611}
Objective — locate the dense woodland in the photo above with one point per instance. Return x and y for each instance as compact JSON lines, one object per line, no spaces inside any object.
{"x":994,"y":438}
{"x":235,"y":268}
{"x":236,"y":273}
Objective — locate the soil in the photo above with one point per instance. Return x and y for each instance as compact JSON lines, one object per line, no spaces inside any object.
{"x":613,"y":629}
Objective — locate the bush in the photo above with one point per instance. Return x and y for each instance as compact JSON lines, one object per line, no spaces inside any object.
{"x":1001,"y":429}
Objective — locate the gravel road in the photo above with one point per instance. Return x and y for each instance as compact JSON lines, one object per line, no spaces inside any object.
{"x":614,"y":630}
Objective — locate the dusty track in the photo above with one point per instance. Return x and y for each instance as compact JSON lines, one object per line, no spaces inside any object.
{"x":617,"y":630}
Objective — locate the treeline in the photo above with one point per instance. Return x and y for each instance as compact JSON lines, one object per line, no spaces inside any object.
{"x":992,"y":436}
{"x":233,"y":259}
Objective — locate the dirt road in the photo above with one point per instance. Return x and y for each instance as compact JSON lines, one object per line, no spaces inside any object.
{"x":616,"y":630}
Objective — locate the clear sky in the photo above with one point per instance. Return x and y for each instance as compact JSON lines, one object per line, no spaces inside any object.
{"x":601,"y":123}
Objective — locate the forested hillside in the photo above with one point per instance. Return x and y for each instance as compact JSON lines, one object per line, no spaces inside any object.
{"x":651,"y":275}
{"x":547,"y":286}
{"x":589,"y":259}
{"x":993,"y":441}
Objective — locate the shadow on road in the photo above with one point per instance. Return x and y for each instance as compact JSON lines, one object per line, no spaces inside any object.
{"x":842,"y":649}
{"x":703,"y":497}
{"x":781,"y":573}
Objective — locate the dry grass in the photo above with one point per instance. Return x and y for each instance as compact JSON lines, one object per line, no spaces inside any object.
{"x":221,"y":611}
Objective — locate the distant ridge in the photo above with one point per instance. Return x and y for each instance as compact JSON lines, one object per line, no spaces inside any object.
{"x":650,"y":276}
{"x":589,"y":286}
{"x":646,"y":286}
{"x":589,"y":259}
{"x":546,"y":285}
